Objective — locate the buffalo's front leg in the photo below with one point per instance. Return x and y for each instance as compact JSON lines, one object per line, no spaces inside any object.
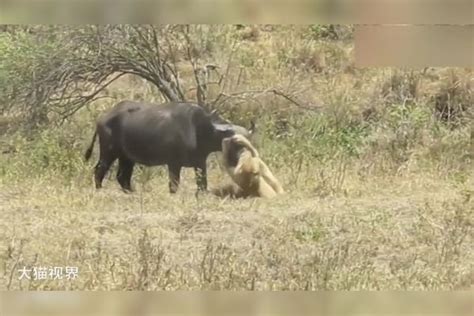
{"x":174,"y":174}
{"x":201,"y":176}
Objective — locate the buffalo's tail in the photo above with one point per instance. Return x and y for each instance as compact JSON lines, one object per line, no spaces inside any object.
{"x":91,"y":147}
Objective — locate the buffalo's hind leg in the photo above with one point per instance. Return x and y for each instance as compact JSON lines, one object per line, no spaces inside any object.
{"x":174,"y":171}
{"x":101,"y":168}
{"x":124,"y":174}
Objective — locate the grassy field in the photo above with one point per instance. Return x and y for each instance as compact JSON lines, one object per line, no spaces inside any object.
{"x":379,"y":187}
{"x":400,"y":232}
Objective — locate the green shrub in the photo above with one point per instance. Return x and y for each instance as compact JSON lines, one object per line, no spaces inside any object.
{"x":52,"y":151}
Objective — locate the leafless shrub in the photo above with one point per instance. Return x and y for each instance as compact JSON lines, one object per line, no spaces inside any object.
{"x":401,"y":87}
{"x":453,"y":102}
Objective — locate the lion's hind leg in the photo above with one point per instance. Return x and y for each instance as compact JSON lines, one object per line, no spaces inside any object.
{"x":270,"y":179}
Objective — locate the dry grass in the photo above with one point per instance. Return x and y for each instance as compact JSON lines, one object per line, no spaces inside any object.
{"x":392,"y":233}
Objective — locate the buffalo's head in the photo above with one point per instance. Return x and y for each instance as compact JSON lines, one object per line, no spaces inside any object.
{"x":221,"y":131}
{"x":222,"y":124}
{"x":225,"y":129}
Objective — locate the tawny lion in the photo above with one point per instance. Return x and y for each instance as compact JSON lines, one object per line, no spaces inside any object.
{"x":251,"y":175}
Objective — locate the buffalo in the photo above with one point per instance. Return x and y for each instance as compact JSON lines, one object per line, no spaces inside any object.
{"x":176,"y":134}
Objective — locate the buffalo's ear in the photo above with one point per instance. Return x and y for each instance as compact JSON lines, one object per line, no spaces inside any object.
{"x":214,"y":116}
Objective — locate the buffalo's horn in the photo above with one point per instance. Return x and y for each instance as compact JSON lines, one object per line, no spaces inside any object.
{"x":223,"y":127}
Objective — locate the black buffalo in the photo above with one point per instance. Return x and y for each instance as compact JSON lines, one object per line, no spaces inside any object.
{"x":173,"y":134}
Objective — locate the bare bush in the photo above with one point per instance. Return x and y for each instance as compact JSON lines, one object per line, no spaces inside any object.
{"x":454,"y":100}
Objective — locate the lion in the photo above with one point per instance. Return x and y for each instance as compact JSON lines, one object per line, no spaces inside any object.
{"x":251,"y":176}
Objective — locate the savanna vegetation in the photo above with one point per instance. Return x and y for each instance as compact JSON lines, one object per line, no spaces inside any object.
{"x":377,"y":164}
